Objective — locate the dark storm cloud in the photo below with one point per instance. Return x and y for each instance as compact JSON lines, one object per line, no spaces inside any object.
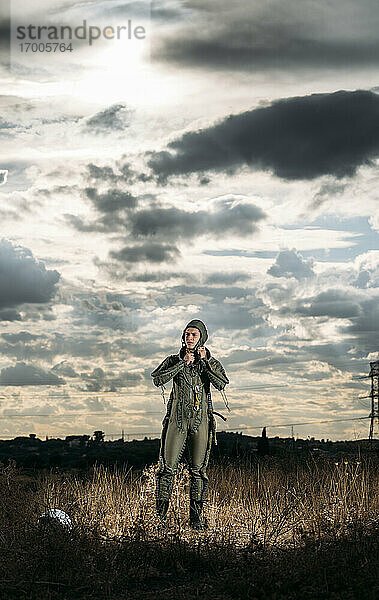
{"x":100,"y":380}
{"x":104,"y":312}
{"x":114,"y":118}
{"x":9,"y":314}
{"x":254,"y":36}
{"x":5,"y":39}
{"x":112,"y":319}
{"x":360,"y":308}
{"x":297,"y":138}
{"x":341,"y":355}
{"x":88,"y":227}
{"x":28,"y":350}
{"x":88,"y":346}
{"x":272,"y":362}
{"x":5,"y":29}
{"x":107,"y":173}
{"x":228,"y":216}
{"x":113,"y":207}
{"x":101,"y":173}
{"x":25,"y":374}
{"x":290,"y":263}
{"x":280,"y":52}
{"x":141,"y":347}
{"x":21,"y":336}
{"x":364,"y":327}
{"x":3,"y":176}
{"x":112,"y":201}
{"x":149,"y":252}
{"x":23,"y":279}
{"x":64,"y":368}
{"x":333,"y":303}
{"x":328,"y":190}
{"x":232,"y":317}
{"x":174,"y":223}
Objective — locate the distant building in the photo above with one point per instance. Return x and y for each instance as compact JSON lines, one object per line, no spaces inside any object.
{"x":77,"y":441}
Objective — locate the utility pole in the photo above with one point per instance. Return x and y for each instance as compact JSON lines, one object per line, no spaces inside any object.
{"x":374,"y":395}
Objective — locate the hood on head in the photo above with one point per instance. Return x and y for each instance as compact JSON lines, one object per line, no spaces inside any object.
{"x":201,"y":327}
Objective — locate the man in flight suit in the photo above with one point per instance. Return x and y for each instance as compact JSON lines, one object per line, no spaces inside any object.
{"x":189,"y":418}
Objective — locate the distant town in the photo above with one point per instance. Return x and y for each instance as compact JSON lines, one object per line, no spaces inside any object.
{"x":81,"y":452}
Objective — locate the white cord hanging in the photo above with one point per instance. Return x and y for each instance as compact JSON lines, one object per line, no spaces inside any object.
{"x":222,"y":392}
{"x":162,"y":393}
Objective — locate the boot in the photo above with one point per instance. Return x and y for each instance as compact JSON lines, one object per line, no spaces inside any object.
{"x":162,"y":508}
{"x":164,"y":484}
{"x":196,"y":522}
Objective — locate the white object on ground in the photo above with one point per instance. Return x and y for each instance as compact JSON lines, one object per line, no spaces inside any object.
{"x":56,"y":515}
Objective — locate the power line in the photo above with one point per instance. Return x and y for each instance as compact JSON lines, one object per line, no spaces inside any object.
{"x":297,"y":424}
{"x":80,"y":414}
{"x":258,"y":426}
{"x":274,"y":426}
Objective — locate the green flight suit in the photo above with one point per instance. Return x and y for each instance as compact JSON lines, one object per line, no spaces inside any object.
{"x":189,"y":420}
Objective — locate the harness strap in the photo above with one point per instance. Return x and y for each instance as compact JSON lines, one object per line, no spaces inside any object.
{"x":162,"y":393}
{"x":222,"y":392}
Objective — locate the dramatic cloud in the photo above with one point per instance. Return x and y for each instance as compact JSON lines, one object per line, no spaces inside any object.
{"x":113,"y":206}
{"x":107,"y":173}
{"x":364,"y":327}
{"x":100,"y":380}
{"x":114,"y":118}
{"x":23,"y":279}
{"x":9,"y":314}
{"x":328,"y":189}
{"x":251,"y":36}
{"x":173,"y":223}
{"x":24,"y":374}
{"x":5,"y":36}
{"x":333,"y":303}
{"x":149,"y":252}
{"x":290,"y":263}
{"x":112,"y":201}
{"x":229,"y":215}
{"x":21,"y":336}
{"x":3,"y":176}
{"x":296,"y":138}
{"x":65,"y":368}
{"x":360,"y":308}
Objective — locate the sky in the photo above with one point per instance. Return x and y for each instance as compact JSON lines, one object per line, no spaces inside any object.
{"x":221,"y":163}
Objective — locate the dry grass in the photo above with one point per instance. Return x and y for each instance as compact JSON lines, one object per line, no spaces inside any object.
{"x":278,"y":529}
{"x":269,"y":504}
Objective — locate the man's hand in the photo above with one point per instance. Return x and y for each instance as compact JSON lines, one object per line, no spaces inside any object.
{"x":202,"y":352}
{"x":189,"y":358}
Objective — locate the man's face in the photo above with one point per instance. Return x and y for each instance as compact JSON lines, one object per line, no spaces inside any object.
{"x":191,"y":337}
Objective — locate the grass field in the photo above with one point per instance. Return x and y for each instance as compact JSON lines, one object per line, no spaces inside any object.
{"x":277,"y":529}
